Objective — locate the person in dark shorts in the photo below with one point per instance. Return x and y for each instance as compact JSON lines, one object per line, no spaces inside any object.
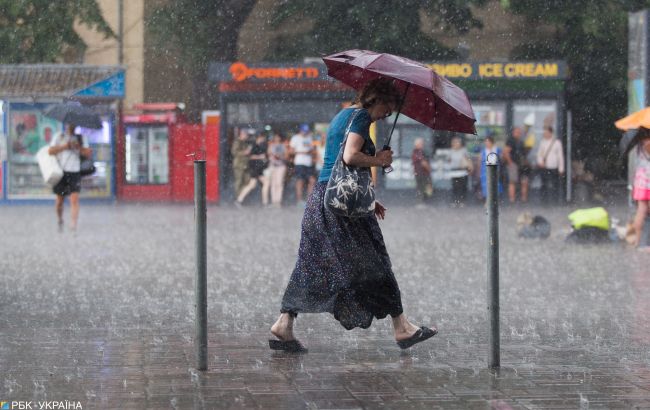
{"x":514,"y":155}
{"x":343,"y":266}
{"x":68,"y":147}
{"x":257,"y":163}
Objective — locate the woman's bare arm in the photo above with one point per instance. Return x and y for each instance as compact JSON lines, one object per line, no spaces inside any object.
{"x":352,"y":154}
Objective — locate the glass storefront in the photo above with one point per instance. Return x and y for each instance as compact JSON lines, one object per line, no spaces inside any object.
{"x":403,"y":140}
{"x":539,"y":113}
{"x":28,"y":131}
{"x":147,"y":154}
{"x":491,"y":119}
{"x":100,"y":141}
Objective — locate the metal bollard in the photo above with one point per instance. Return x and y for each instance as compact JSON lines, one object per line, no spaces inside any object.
{"x":201,"y":290}
{"x":494,"y":354}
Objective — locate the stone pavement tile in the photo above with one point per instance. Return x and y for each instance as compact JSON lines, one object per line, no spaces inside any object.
{"x":318,"y":381}
{"x":330,"y":399}
{"x":369,"y":383}
{"x":228,"y":399}
{"x":280,"y":400}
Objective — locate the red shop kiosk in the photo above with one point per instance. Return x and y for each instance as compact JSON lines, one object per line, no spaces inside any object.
{"x":154,"y":155}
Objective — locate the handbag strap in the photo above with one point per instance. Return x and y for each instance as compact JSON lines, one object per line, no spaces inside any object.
{"x":548,"y":150}
{"x":347,"y":130}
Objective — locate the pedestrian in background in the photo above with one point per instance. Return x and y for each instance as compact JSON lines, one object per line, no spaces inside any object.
{"x":514,"y":156}
{"x":641,"y":192}
{"x":277,"y":154}
{"x":256,"y":165}
{"x":343,"y":266}
{"x":68,"y":148}
{"x":461,"y":166}
{"x":240,"y":151}
{"x":422,"y":172}
{"x":550,"y":160}
{"x":302,"y":151}
{"x":489,"y":148}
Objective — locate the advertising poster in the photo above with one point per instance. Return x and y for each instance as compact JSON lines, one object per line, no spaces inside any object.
{"x":637,"y":60}
{"x":28,"y":131}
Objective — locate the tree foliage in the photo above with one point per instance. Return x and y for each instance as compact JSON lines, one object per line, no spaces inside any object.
{"x":591,"y":35}
{"x":200,"y":32}
{"x":392,"y":26}
{"x":39,"y":31}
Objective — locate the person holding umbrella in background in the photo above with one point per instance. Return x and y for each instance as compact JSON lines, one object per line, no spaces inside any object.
{"x":641,"y":187}
{"x":68,"y":147}
{"x":637,"y":126}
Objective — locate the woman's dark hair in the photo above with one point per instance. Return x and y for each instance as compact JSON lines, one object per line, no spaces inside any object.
{"x":377,"y":91}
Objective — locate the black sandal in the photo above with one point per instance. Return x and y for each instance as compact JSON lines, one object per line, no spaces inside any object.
{"x":291,"y":346}
{"x":420,"y":335}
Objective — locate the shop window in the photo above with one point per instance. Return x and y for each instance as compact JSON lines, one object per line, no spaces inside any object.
{"x":490,"y":120}
{"x":147,"y":155}
{"x":99,"y":183}
{"x":243,"y":113}
{"x":532,"y":116}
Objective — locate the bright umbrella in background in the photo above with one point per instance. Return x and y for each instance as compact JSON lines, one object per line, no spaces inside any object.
{"x":636,"y":127}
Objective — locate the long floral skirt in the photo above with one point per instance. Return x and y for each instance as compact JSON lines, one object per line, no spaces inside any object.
{"x":342,"y":268}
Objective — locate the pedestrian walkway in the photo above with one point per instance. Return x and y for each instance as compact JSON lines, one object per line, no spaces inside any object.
{"x":105,"y":318}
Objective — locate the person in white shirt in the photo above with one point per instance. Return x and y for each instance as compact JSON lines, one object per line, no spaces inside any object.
{"x":68,"y":147}
{"x":550,"y":160}
{"x":302,"y":147}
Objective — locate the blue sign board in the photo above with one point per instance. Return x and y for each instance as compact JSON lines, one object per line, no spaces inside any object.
{"x":112,"y":86}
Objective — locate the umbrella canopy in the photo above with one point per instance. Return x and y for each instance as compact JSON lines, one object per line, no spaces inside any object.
{"x":428,"y":98}
{"x":633,"y":121}
{"x":74,"y":114}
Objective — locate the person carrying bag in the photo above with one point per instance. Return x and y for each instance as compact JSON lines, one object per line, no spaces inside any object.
{"x":349,"y":191}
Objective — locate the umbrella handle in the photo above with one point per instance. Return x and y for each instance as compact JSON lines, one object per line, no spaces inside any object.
{"x":399,"y":110}
{"x":388,"y":168}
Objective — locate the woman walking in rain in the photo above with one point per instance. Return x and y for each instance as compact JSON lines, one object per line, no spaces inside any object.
{"x":68,"y":147}
{"x":641,"y":192}
{"x":343,"y":267}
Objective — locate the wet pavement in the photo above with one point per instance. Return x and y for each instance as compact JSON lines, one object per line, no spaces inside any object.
{"x":105,"y":318}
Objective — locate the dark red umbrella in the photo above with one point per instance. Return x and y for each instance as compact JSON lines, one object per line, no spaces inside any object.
{"x":428,"y":98}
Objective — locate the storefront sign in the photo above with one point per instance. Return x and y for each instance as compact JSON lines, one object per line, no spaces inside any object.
{"x":240,"y":72}
{"x":524,"y":70}
{"x":245,"y":72}
{"x":111,"y":87}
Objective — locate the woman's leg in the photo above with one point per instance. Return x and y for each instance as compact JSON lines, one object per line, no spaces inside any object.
{"x":277,"y":184}
{"x":266,"y":185}
{"x":639,"y":220}
{"x":58,"y":206}
{"x":74,"y":210}
{"x":247,"y":189}
{"x":283,"y":327}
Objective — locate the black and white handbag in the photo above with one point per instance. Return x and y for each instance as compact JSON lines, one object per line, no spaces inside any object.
{"x":349,"y":191}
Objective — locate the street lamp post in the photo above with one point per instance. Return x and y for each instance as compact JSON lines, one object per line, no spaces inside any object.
{"x":494,"y":356}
